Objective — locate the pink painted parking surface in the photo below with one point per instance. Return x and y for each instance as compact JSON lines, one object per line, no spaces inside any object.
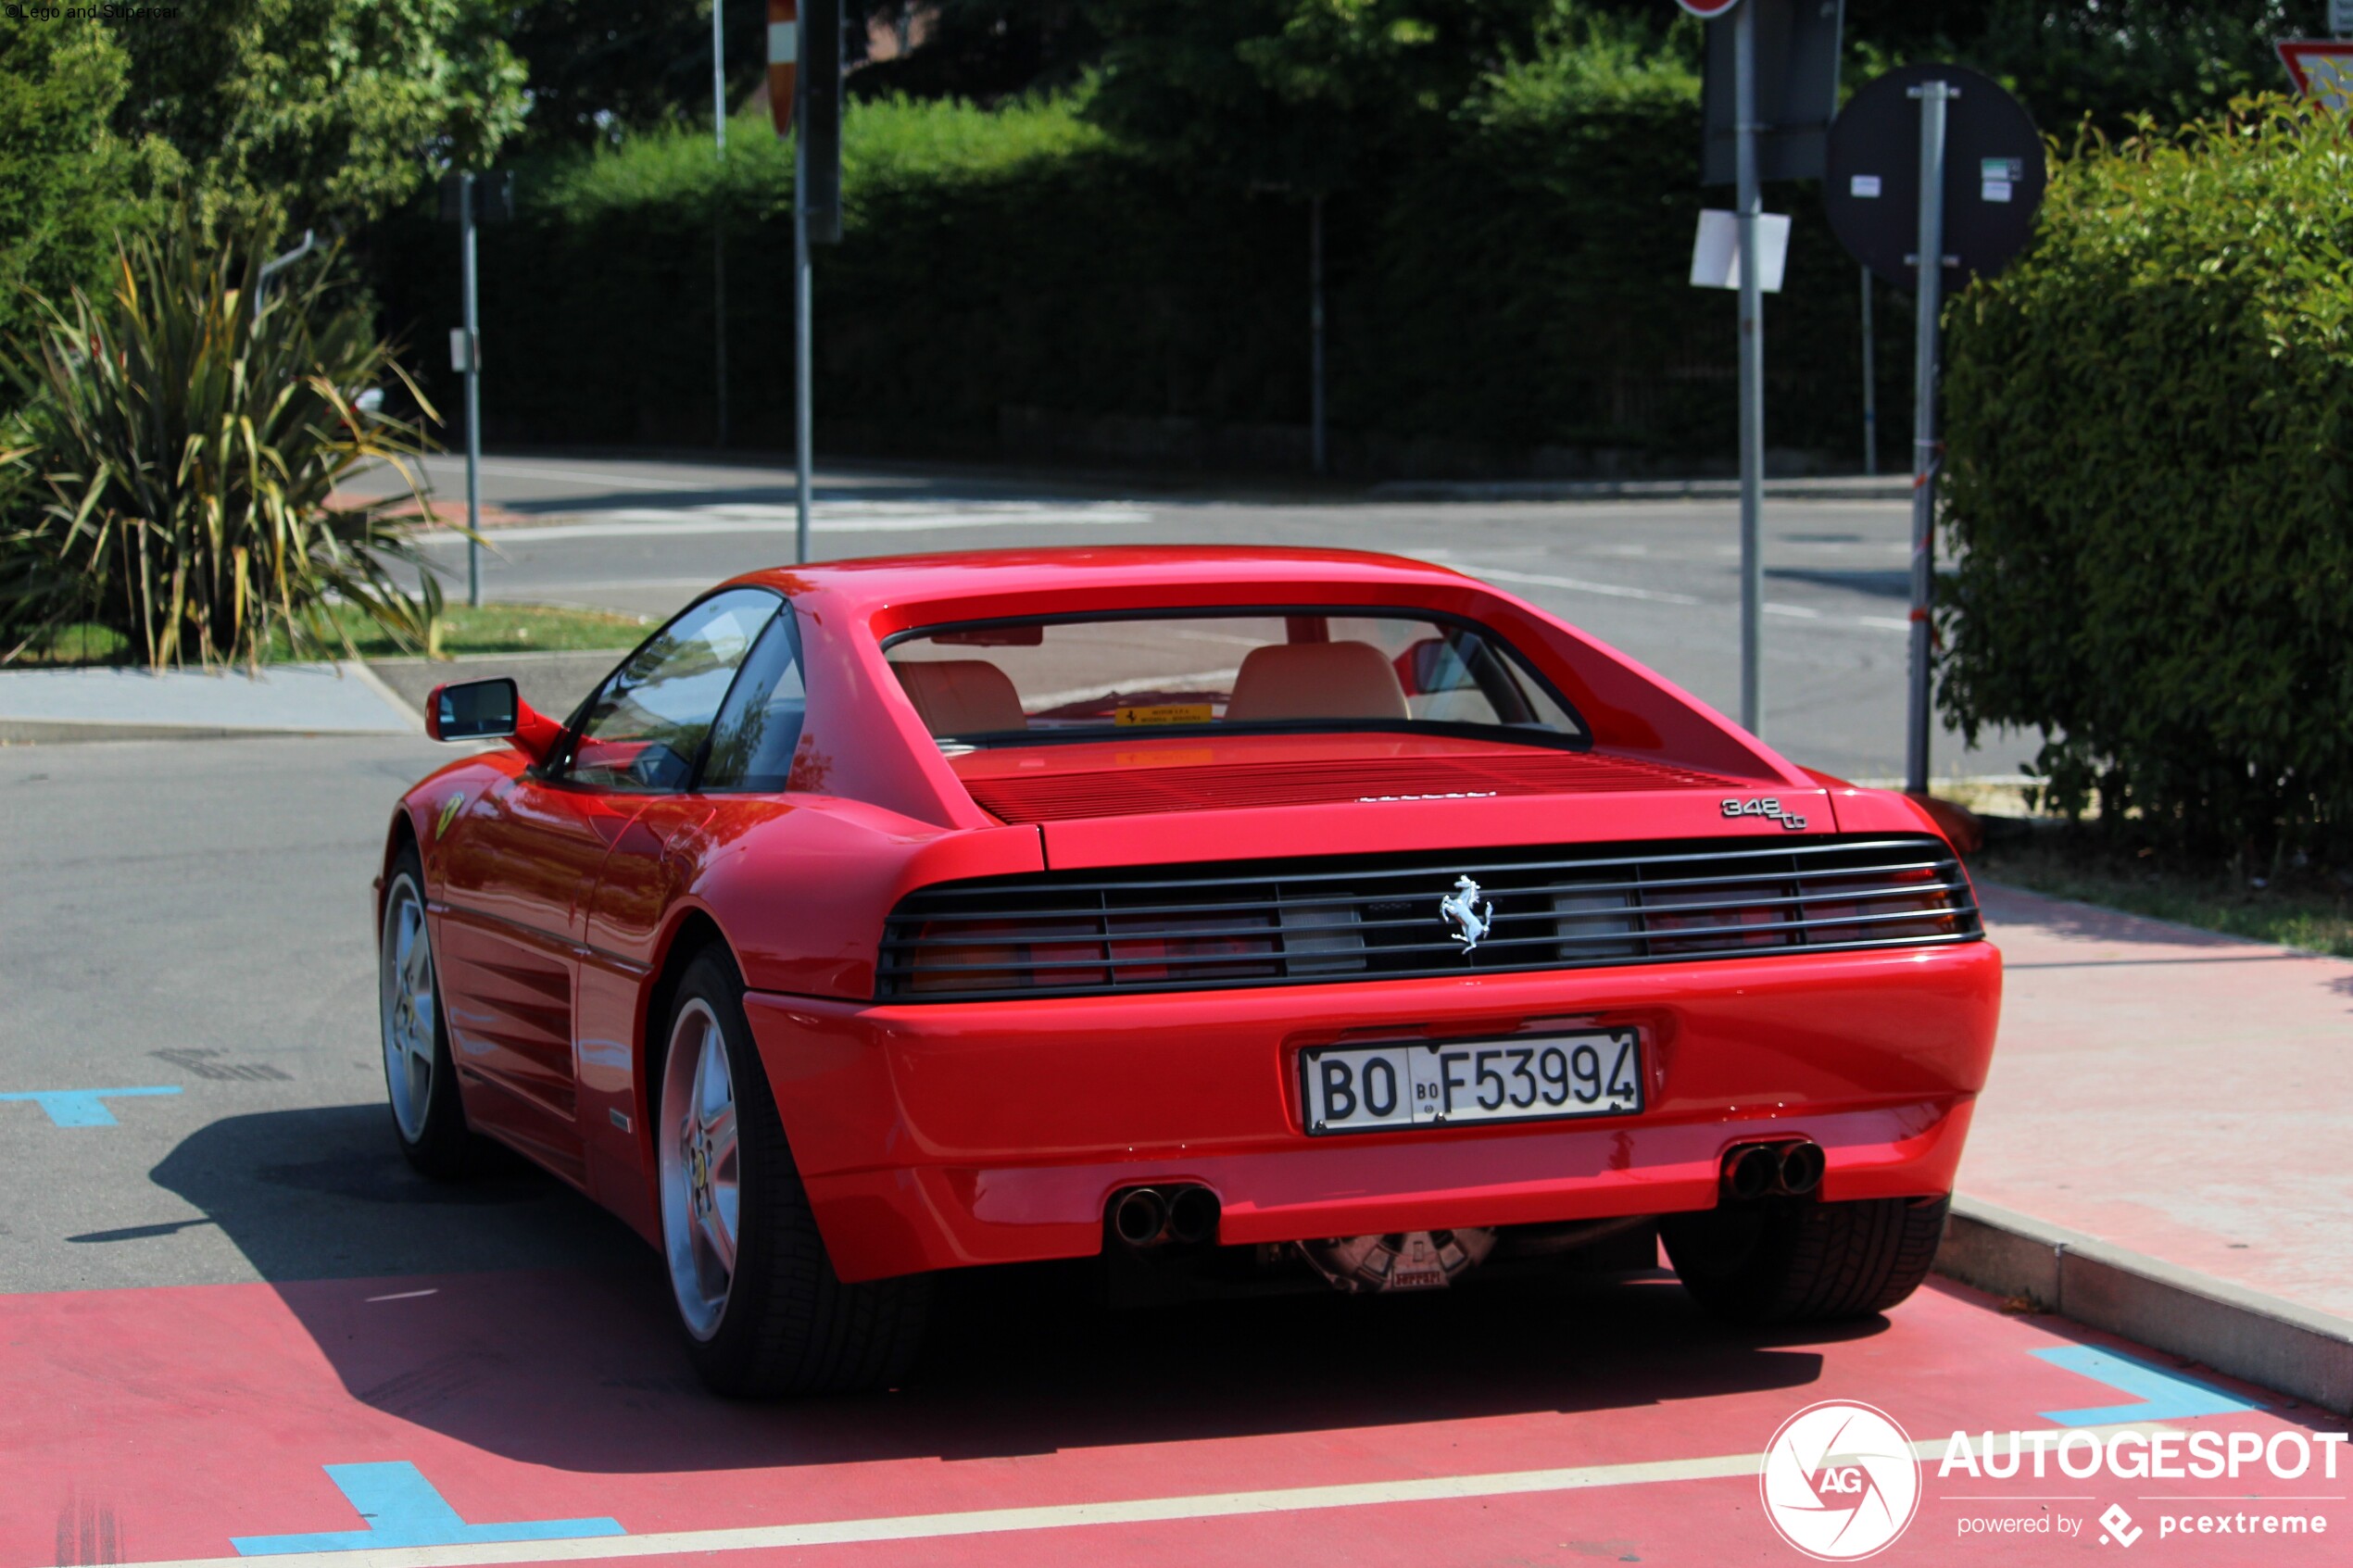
{"x":1520,"y":1424}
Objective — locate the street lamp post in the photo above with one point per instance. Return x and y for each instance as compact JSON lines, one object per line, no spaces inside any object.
{"x":719,"y":215}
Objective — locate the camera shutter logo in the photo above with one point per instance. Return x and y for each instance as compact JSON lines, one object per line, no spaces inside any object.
{"x":1839,"y":1481}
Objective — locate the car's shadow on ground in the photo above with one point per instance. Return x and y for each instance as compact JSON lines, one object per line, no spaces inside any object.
{"x":545,"y":1335}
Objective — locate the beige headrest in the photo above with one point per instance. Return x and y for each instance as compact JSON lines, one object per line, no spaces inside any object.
{"x":962,"y":696}
{"x":1316,"y":680}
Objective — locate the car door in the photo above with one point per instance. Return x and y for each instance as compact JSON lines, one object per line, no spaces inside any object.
{"x":531,"y":854}
{"x":745,"y":762}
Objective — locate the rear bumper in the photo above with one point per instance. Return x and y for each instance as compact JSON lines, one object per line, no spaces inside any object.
{"x":937,"y":1136}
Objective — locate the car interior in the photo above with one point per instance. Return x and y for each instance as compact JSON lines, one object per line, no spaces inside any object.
{"x":1279,"y":682}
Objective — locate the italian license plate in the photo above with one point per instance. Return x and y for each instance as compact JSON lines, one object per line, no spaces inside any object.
{"x":1450,"y":1083}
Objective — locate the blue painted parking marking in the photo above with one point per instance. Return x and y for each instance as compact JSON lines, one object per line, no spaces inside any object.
{"x":2164,"y":1395}
{"x":403,"y":1509}
{"x":83,"y":1107}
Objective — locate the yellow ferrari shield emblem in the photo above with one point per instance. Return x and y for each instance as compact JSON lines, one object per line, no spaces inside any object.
{"x":448,"y":814}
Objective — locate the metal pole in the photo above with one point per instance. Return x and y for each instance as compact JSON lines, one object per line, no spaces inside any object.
{"x":802,"y":281}
{"x":1752,"y":372}
{"x":719,"y":214}
{"x":1315,"y":331}
{"x":1929,"y":260}
{"x":1870,"y":383}
{"x":474,"y":391}
{"x":273,"y":268}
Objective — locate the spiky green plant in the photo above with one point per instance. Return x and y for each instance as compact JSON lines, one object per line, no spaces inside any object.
{"x":174,"y":469}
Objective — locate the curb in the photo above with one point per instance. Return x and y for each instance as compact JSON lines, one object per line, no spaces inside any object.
{"x":2244,"y":1334}
{"x":1877,"y":489}
{"x":77,"y":732}
{"x":358,"y":671}
{"x":187,"y":711}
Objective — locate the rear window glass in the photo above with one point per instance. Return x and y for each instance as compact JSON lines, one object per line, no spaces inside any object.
{"x":1025,"y":682}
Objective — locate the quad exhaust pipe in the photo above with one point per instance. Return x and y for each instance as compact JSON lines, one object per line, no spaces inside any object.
{"x":1757,"y":1171}
{"x":1182,"y":1215}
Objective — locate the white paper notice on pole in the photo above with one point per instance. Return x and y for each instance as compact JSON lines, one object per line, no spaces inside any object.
{"x":463,"y":353}
{"x":1716,"y":252}
{"x":1863,"y":186}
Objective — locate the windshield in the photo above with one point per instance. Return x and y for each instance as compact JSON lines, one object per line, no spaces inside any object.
{"x":1013,"y":682}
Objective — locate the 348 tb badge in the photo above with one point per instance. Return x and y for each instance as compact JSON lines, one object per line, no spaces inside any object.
{"x":1768,"y":807}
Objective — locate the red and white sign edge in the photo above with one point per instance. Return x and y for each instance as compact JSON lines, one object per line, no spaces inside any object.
{"x":2321,"y":67}
{"x":1709,"y":8}
{"x":784,"y":62}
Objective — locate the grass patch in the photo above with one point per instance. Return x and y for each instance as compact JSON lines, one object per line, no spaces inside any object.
{"x":501,"y":628}
{"x":2308,"y":907}
{"x":71,"y":645}
{"x":493,"y":628}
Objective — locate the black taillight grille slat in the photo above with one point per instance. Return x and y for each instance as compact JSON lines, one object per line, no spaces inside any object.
{"x":1358,"y":918}
{"x":1781,"y":932}
{"x":1406,"y":923}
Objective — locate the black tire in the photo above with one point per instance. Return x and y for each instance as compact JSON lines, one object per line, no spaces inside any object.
{"x":1805,"y":1262}
{"x":439,"y":1145}
{"x":788,"y":1324}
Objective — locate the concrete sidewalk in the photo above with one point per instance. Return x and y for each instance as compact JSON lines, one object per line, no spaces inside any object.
{"x":128,"y":704}
{"x":2170,"y":1108}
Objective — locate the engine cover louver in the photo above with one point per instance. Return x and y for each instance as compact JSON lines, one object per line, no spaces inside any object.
{"x":1379,"y":917}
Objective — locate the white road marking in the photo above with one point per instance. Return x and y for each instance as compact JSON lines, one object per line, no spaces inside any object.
{"x":1197,"y":680}
{"x":1004,"y":1521}
{"x":404,"y":1295}
{"x":1578,"y":584}
{"x":1620,"y":590}
{"x":839,"y":516}
{"x":604,"y":480}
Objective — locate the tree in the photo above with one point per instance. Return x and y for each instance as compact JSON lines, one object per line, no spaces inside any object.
{"x":983,"y":50}
{"x":1299,"y":95}
{"x":67,"y":183}
{"x":602,"y":68}
{"x":2177,"y":59}
{"x":323,"y":112}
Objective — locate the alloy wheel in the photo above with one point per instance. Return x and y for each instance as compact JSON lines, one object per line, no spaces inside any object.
{"x":699,"y":1149}
{"x":405,"y":989}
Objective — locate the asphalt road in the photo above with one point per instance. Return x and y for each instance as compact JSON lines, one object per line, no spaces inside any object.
{"x":192,"y":916}
{"x":1657,"y":579}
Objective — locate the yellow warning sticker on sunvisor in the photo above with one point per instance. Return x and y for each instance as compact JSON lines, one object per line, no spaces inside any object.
{"x":1166,"y":713}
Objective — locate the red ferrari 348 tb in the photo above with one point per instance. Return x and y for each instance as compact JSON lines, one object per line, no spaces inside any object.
{"x":1233,"y":914}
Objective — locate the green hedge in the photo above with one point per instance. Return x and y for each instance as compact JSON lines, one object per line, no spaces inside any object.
{"x":2149,"y":422}
{"x":1518,"y":286}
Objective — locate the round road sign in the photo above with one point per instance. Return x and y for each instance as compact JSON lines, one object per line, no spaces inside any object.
{"x":1707,"y":7}
{"x":1994,"y":176}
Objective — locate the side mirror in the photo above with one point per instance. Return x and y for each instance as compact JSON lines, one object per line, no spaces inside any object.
{"x":1431,"y":666}
{"x":473,"y":710}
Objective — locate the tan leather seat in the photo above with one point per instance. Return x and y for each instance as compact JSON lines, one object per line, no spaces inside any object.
{"x":962,"y":696}
{"x":1316,"y":680}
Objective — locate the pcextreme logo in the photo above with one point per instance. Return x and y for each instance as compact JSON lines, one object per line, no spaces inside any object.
{"x":1839,"y":1481}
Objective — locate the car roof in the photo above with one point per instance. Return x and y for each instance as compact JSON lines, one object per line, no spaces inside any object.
{"x":874,"y":582}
